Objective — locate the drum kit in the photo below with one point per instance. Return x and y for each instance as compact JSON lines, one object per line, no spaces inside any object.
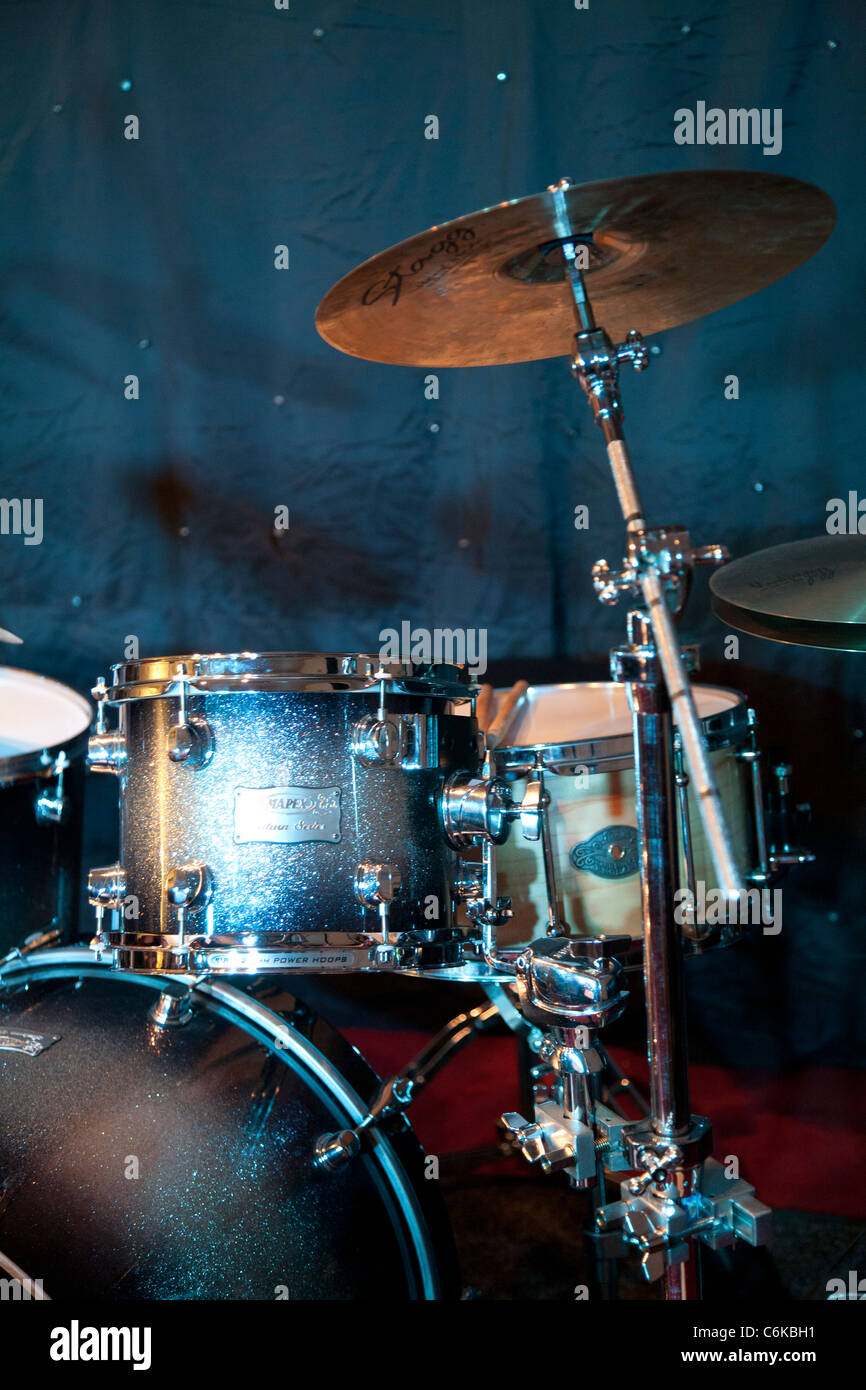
{"x":304,"y":813}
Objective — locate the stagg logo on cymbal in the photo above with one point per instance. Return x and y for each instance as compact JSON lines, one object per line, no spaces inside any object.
{"x":736,"y":126}
{"x":453,"y":244}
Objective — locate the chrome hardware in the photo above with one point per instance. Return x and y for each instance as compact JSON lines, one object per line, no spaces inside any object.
{"x":106,"y":887}
{"x":535,"y":824}
{"x":469,"y":884}
{"x":570,"y":982}
{"x":377,"y":885}
{"x":100,"y":694}
{"x":532,"y":808}
{"x":409,"y":741}
{"x":654,"y":1163}
{"x":106,"y":749}
{"x":475,"y":808}
{"x":51,"y":804}
{"x":666,"y":551}
{"x":634,"y":351}
{"x":332,"y":1151}
{"x":189,"y":885}
{"x":782,"y":851}
{"x":106,"y":752}
{"x":553,"y":1140}
{"x":376,"y":742}
{"x":190,"y":743}
{"x":717,"y":1211}
{"x":751,"y":755}
{"x":171,"y":1010}
{"x":488,"y":909}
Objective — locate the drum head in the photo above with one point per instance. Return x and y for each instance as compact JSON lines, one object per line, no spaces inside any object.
{"x":178,"y":1163}
{"x":37,"y":713}
{"x":577,"y":712}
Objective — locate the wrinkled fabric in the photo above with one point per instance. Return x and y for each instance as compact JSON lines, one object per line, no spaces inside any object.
{"x":262,"y":127}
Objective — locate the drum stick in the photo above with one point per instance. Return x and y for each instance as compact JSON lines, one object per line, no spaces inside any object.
{"x":484,"y":707}
{"x":505,"y":714}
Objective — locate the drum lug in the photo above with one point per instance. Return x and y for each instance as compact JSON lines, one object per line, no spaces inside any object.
{"x":189,"y":885}
{"x":376,"y":742}
{"x":106,"y":752}
{"x":190,"y":743}
{"x":376,"y":886}
{"x":51,"y":803}
{"x":751,"y":755}
{"x":171,"y":1010}
{"x":408,"y":741}
{"x":106,"y":887}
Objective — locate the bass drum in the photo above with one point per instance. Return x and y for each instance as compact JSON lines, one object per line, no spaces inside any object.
{"x":149,"y":1162}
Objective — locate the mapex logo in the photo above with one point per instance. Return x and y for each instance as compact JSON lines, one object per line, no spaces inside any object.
{"x":737,"y":126}
{"x":76,"y":1343}
{"x":444,"y":646}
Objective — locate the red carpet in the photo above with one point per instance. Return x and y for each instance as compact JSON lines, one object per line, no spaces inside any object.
{"x":800,"y":1135}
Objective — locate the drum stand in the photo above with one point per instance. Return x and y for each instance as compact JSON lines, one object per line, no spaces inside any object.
{"x":572,"y":987}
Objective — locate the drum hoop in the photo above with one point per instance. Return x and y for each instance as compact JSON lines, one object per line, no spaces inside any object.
{"x":325,"y":672}
{"x":79,"y":960}
{"x":39,"y":762}
{"x":615,"y":752}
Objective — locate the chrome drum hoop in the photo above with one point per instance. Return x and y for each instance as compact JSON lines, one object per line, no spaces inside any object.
{"x":221,"y":672}
{"x":282,"y":1040}
{"x":614,"y":753}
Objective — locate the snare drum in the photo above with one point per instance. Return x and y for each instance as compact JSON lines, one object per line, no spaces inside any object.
{"x":43,"y":741}
{"x":580,"y":737}
{"x":284,"y":811}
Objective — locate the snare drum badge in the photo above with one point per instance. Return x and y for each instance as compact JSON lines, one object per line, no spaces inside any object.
{"x":609,"y":853}
{"x":286,"y":815}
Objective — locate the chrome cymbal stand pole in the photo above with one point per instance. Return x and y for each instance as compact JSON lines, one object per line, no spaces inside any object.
{"x":658,"y":562}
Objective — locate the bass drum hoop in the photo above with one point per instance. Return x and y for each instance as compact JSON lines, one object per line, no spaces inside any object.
{"x":266,"y":1026}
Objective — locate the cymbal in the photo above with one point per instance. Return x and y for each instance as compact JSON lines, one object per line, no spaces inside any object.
{"x":811,"y":593}
{"x":489,"y":288}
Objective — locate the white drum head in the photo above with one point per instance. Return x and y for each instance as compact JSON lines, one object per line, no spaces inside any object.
{"x":37,"y":713}
{"x":574,"y":713}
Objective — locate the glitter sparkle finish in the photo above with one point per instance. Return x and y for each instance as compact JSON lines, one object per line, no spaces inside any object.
{"x":176,"y":1164}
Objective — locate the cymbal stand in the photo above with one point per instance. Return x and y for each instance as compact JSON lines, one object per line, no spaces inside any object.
{"x":678,"y":1193}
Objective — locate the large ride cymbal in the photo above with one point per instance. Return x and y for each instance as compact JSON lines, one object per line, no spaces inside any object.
{"x":811,"y":593}
{"x":666,"y":249}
